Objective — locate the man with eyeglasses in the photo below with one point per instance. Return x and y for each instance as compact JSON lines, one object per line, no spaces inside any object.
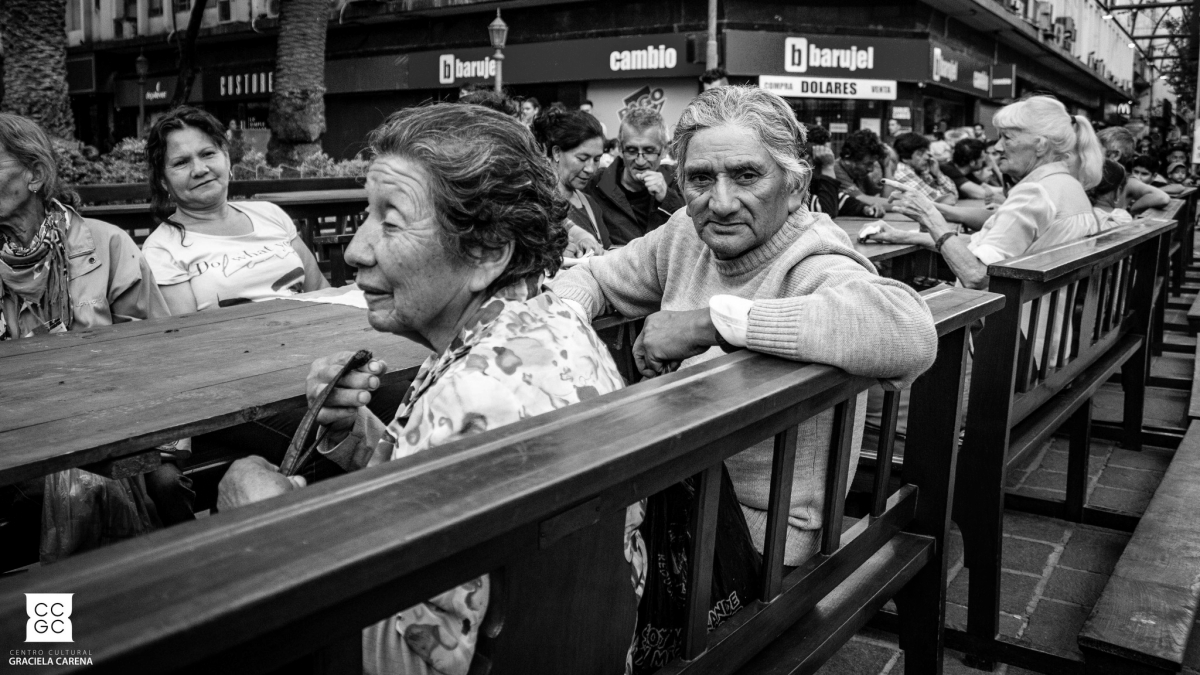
{"x":635,"y":192}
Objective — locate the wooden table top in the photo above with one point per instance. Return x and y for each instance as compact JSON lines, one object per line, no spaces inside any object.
{"x":82,"y":397}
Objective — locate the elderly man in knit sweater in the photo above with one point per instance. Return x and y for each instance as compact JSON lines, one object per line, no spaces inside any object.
{"x":744,"y":264}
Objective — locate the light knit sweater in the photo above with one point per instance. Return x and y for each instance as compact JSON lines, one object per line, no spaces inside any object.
{"x":815,"y":299}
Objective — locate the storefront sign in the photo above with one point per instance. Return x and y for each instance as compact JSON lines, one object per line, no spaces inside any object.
{"x":837,"y":56}
{"x":839,"y":127}
{"x":246,"y":83}
{"x":901,"y":112}
{"x":961,"y":70}
{"x":829,"y":87}
{"x":614,"y":99}
{"x":1004,"y":80}
{"x":158,"y":91}
{"x":597,"y":59}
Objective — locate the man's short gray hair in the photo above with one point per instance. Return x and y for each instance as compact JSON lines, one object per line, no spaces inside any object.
{"x":641,"y":120}
{"x":765,"y":113}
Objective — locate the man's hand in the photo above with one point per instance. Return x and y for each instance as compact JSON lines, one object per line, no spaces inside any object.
{"x":655,"y":184}
{"x":667,"y":338}
{"x":824,"y":160}
{"x":253,"y":479}
{"x":353,"y":391}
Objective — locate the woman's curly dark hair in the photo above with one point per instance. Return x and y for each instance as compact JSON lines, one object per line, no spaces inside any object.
{"x":489,"y":182}
{"x":565,"y":129}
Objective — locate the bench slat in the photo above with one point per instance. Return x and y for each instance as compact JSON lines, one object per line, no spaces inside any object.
{"x":1146,"y":611}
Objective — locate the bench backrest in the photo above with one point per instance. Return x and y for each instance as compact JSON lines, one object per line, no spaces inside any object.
{"x":272,"y":581}
{"x":1065,"y":308}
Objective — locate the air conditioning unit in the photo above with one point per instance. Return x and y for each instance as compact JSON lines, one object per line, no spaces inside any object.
{"x":1057,"y":34}
{"x":1044,"y":18}
{"x":1068,"y":25}
{"x":1016,"y":6}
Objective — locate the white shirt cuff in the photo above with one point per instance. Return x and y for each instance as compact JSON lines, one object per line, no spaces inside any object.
{"x":731,"y":316}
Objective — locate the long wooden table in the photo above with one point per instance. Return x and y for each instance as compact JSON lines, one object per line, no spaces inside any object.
{"x":82,"y":398}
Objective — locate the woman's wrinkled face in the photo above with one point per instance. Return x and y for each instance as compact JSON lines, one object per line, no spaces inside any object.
{"x":577,"y":165}
{"x":197,"y":169}
{"x":410,"y":279}
{"x":737,"y":195}
{"x":1017,"y":153}
{"x":14,"y":185}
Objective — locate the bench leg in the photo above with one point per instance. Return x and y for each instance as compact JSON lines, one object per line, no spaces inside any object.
{"x":1133,"y":382}
{"x":1079,"y":428}
{"x":919,"y":608}
{"x":979,"y":512}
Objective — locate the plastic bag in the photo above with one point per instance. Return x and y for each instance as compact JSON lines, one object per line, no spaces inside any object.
{"x":735,"y":580}
{"x":82,"y":510}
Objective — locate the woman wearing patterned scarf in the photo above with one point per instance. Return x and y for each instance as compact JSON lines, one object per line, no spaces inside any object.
{"x":60,"y":271}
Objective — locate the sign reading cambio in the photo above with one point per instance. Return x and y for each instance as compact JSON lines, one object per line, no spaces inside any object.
{"x":650,"y":58}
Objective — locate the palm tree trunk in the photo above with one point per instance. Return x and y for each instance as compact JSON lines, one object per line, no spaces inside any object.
{"x":35,"y":63}
{"x":297,"y":116}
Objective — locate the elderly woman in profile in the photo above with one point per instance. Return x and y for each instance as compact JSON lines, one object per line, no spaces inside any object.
{"x":62,"y":272}
{"x":745,"y":264}
{"x":1055,"y":157}
{"x":463,"y":223}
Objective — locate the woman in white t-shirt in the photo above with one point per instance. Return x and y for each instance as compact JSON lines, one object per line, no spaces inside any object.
{"x":210,"y":252}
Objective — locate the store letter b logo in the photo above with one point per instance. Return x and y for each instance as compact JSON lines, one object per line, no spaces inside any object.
{"x":49,"y":617}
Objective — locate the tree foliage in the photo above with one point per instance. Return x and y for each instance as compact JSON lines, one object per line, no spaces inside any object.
{"x":1181,"y":72}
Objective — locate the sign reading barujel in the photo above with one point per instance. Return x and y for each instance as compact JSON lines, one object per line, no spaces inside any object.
{"x":829,"y":87}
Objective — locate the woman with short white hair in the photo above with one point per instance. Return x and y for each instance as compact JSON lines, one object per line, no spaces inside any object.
{"x":1055,"y":157}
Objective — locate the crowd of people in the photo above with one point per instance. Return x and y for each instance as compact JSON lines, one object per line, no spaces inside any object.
{"x":496,"y":232}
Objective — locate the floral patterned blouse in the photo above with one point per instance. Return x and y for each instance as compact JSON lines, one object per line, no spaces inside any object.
{"x":522,"y":354}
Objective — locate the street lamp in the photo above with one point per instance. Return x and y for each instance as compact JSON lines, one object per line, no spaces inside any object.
{"x":142,"y":64}
{"x":498,"y":32}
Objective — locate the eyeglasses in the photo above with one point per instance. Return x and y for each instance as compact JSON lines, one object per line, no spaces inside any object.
{"x":632,"y":153}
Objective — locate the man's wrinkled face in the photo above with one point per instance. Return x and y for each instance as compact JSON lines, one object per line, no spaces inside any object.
{"x":737,"y":195}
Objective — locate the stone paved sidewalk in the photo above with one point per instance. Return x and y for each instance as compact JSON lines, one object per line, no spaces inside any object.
{"x":1052,"y":571}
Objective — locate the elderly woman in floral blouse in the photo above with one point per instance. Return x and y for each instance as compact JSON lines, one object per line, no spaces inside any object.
{"x":463,"y":223}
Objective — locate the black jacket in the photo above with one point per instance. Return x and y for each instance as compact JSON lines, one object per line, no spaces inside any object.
{"x":623,"y":224}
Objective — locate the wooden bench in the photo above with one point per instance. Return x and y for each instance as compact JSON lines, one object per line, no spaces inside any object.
{"x":263,"y":586}
{"x":1088,"y":305}
{"x":1143,"y":619}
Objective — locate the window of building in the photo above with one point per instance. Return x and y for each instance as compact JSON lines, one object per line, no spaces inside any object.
{"x":182,"y":5}
{"x":131,"y":10}
{"x":156,"y":7}
{"x":225,"y":10}
{"x":74,"y":15}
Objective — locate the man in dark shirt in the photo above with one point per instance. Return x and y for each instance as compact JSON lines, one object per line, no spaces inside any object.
{"x":967,"y":159}
{"x":636,"y":193}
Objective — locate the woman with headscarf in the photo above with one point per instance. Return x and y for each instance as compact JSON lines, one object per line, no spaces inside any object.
{"x":62,"y":272}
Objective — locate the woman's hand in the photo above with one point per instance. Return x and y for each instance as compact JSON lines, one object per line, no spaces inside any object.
{"x":253,"y":479}
{"x":885,"y":235}
{"x":580,"y":243}
{"x":923,"y":210}
{"x":667,"y":338}
{"x":353,"y":391}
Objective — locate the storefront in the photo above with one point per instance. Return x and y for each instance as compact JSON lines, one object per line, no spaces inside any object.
{"x":616,"y":74}
{"x":848,"y":82}
{"x":159,"y":92}
{"x":240,"y":96}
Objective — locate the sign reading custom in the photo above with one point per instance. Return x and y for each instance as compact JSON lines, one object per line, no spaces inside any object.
{"x":632,"y":57}
{"x":829,"y":56}
{"x":243,"y":83}
{"x":829,"y":87}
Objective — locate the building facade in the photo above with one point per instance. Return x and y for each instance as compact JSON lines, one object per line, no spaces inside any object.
{"x":927,"y":64}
